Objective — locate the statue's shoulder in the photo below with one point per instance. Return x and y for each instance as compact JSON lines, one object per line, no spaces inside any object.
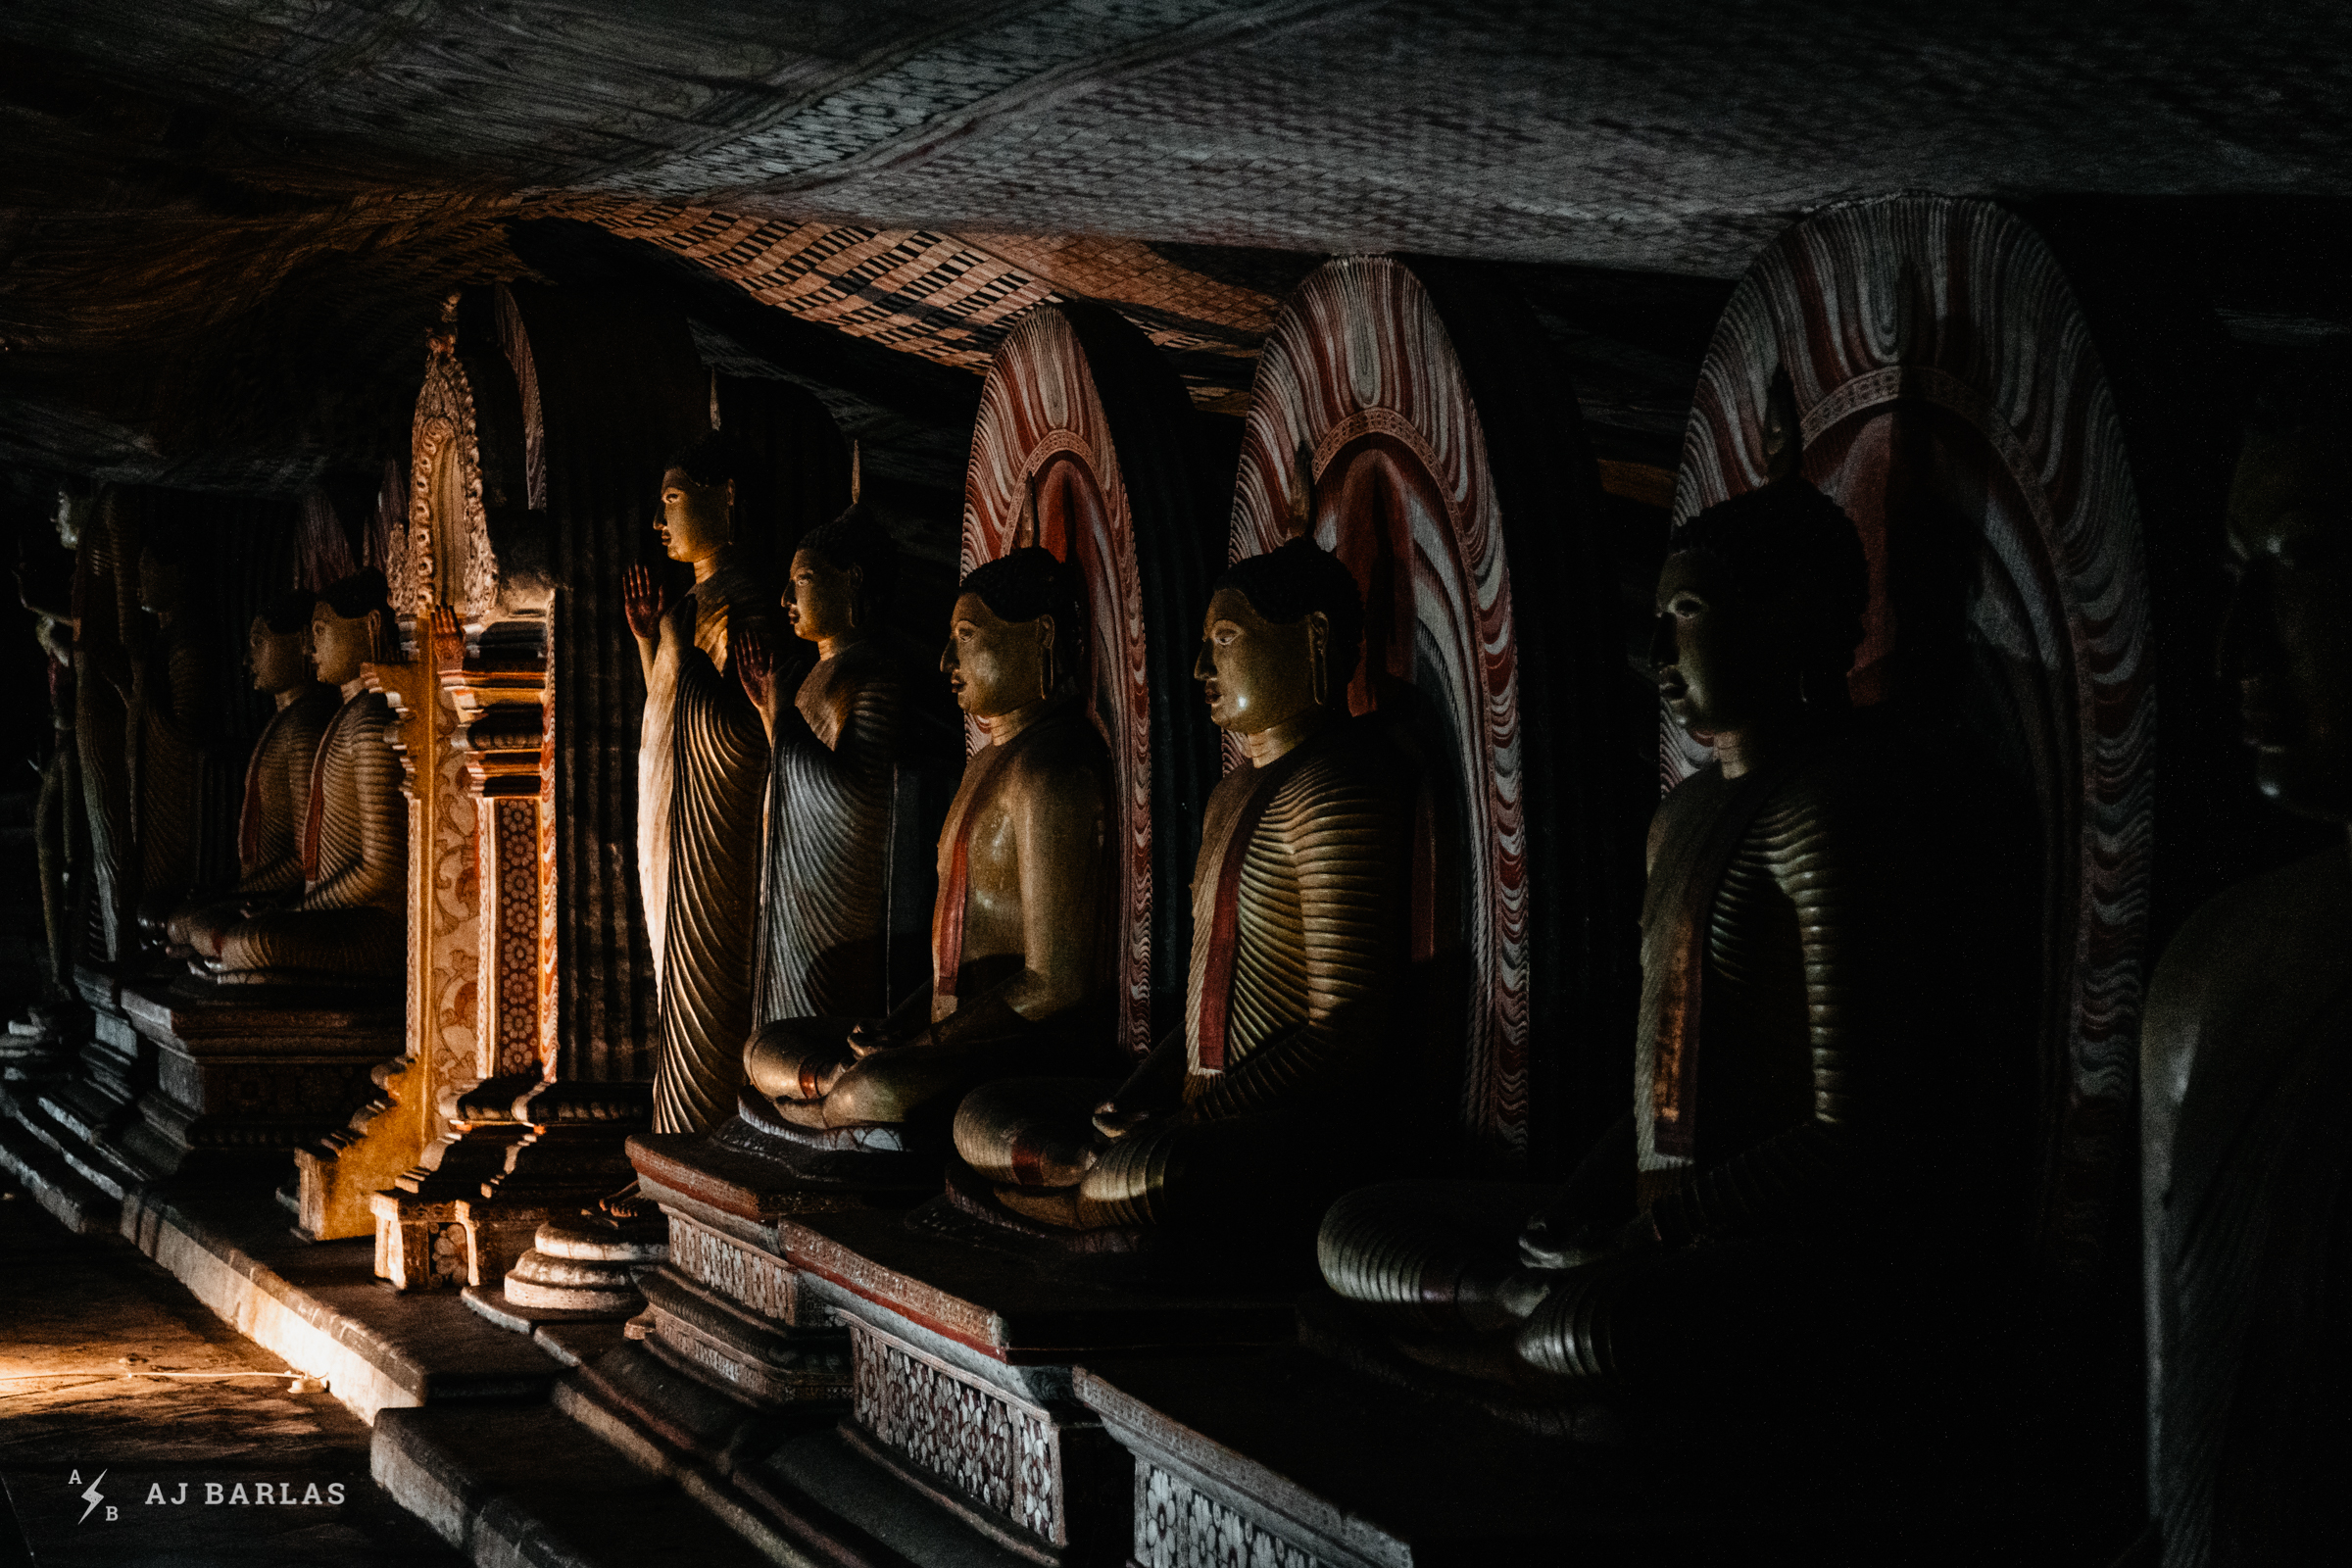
{"x":1062,"y":749}
{"x":1354,"y":758}
{"x":2286,"y":929}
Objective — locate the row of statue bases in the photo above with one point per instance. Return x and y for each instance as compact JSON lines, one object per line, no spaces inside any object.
{"x":822,"y":1142}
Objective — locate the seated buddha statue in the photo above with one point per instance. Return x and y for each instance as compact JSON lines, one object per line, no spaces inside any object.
{"x":845,"y":753}
{"x":1783,"y":1124}
{"x":2246,"y":1054}
{"x":1261,"y":1106}
{"x":1021,"y":961}
{"x":277,"y":781}
{"x":349,"y":924}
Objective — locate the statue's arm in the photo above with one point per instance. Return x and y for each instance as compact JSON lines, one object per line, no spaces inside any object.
{"x":285,"y":787}
{"x":1058,"y":825}
{"x":1348,"y":839}
{"x":189,"y":696}
{"x":1156,"y":1085}
{"x":1828,"y":863}
{"x":377,"y":876}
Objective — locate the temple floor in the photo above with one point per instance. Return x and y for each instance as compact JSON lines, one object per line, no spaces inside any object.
{"x":113,"y":1371}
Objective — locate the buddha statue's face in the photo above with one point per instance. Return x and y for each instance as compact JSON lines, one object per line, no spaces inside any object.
{"x":1722,"y":665}
{"x":341,"y":646}
{"x":995,"y":665}
{"x":280,"y":661}
{"x":823,"y":601}
{"x":2286,"y":640}
{"x":1257,"y":673}
{"x":697,"y":520}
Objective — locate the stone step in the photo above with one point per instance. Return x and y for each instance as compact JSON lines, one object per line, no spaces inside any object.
{"x":789,"y":1482}
{"x":74,"y":1144}
{"x":319,"y":1305}
{"x":52,"y":1183}
{"x":525,"y":1485}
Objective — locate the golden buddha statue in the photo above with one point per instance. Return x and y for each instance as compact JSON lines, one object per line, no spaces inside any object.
{"x":701,"y":781}
{"x":1021,"y":964}
{"x":349,"y":924}
{"x":1779,"y":1134}
{"x":2246,"y":1056}
{"x":1259,"y":1112}
{"x":277,"y":781}
{"x":844,"y":755}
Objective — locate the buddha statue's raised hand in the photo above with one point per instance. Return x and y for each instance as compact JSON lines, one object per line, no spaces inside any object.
{"x":642,"y":601}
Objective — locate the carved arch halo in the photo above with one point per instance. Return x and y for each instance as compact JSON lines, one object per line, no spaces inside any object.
{"x":1361,"y":373}
{"x":1081,"y":435}
{"x":444,"y":553}
{"x":1954,"y":315}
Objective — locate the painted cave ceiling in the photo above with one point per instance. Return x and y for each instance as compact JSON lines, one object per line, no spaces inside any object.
{"x":226,"y":224}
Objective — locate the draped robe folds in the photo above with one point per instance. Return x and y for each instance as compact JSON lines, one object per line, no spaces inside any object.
{"x":270,"y":822}
{"x":168,"y":769}
{"x":839,"y":780}
{"x":702,"y":778}
{"x":1798,"y":1076}
{"x":1299,"y":915}
{"x":351,"y":922}
{"x":1026,"y":836}
{"x":2247,"y":1086}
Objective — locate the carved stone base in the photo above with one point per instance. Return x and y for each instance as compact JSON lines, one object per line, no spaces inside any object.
{"x":963,"y":1355}
{"x":519,"y":1153}
{"x":420,"y":1246}
{"x":339,"y":1174}
{"x":589,"y":1264}
{"x":241,"y":1078}
{"x":1292,"y":1461}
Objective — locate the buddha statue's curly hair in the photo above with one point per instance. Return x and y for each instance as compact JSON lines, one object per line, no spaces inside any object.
{"x":1293,"y":581}
{"x":1026,"y":583}
{"x":857,"y":538}
{"x":1788,"y":544}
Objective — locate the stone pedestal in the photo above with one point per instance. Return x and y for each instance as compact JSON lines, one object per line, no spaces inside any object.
{"x":963,"y":1341}
{"x":244,"y":1074}
{"x":520,"y":1154}
{"x":1291,"y":1460}
{"x":728,"y":1307}
{"x":581,"y":1268}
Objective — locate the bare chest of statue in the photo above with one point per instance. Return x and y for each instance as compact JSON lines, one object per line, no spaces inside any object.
{"x":984,"y":832}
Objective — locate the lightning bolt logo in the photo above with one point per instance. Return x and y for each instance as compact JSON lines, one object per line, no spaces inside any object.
{"x":93,"y":1498}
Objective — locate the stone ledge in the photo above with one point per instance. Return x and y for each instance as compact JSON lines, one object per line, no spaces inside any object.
{"x":525,"y":1484}
{"x":50,"y":1182}
{"x":931,"y":1267}
{"x":798,"y":1491}
{"x":321,"y":1307}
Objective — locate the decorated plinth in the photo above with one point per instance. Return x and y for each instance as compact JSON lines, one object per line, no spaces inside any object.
{"x":244,"y":1074}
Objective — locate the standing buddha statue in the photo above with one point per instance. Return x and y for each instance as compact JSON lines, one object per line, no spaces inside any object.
{"x":349,"y":924}
{"x":169,"y":732}
{"x":1256,"y":1114}
{"x":702,"y":780}
{"x":845,"y":753}
{"x":1783,"y":1129}
{"x":1021,"y":965}
{"x":277,"y":781}
{"x":2246,"y":1056}
{"x":60,"y":835}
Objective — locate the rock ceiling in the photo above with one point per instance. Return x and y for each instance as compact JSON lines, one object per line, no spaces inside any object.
{"x":225,"y":224}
